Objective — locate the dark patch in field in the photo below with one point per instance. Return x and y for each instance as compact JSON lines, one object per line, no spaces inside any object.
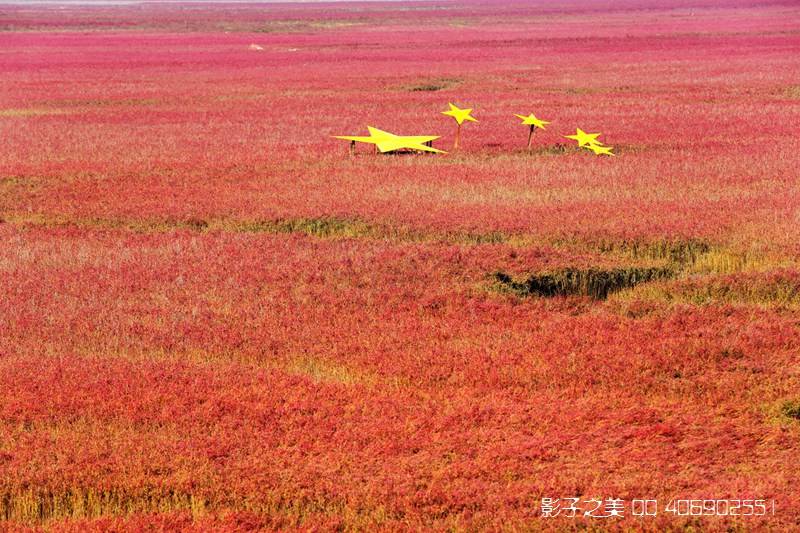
{"x":196,"y":223}
{"x":596,"y":283}
{"x":433,"y":85}
{"x":553,"y":149}
{"x":791,"y":409}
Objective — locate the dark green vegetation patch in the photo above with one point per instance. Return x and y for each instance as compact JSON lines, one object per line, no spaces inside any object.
{"x":791,"y":409}
{"x":597,"y":283}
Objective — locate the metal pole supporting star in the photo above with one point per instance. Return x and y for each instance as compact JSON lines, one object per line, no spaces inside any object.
{"x":533,"y":122}
{"x":460,"y":116}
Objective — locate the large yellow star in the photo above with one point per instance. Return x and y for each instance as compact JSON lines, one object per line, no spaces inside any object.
{"x":584,"y":138}
{"x":460,"y":114}
{"x":531,"y":120}
{"x":389,"y":142}
{"x":599,"y":149}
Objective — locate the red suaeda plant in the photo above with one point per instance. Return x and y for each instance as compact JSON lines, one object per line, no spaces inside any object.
{"x":213,"y":318}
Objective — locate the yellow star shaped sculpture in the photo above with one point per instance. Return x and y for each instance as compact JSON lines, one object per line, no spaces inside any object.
{"x":459,"y":114}
{"x":389,"y":142}
{"x":584,"y":138}
{"x":531,"y":120}
{"x":599,"y":149}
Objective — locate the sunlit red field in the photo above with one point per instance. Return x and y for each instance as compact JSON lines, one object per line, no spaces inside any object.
{"x":212,"y":317}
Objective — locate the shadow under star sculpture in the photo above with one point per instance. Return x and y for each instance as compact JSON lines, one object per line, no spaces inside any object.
{"x":533,"y":122}
{"x":460,"y":115}
{"x":389,"y":142}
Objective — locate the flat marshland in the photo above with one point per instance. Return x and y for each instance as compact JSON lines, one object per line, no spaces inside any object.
{"x":213,"y":317}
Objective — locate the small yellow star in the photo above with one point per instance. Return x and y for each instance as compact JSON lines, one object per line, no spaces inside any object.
{"x":389,"y":142}
{"x":460,"y":114}
{"x":584,"y":138}
{"x":531,"y":120}
{"x":599,"y":149}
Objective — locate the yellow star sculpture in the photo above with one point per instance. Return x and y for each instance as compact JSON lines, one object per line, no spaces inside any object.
{"x":584,"y":138}
{"x":599,"y":149}
{"x":531,"y":120}
{"x":389,"y":142}
{"x":459,"y":114}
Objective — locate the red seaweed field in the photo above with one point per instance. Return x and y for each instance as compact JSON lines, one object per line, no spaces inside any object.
{"x":215,"y":317}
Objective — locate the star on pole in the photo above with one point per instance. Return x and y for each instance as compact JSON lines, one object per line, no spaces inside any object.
{"x":533,"y":122}
{"x":461,"y":115}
